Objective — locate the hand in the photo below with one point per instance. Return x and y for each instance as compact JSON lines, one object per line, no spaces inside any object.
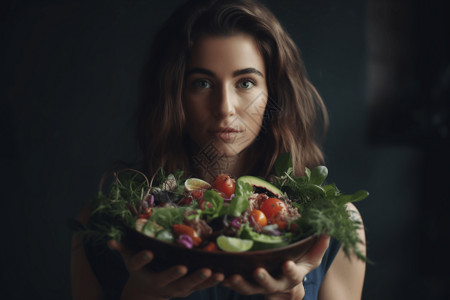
{"x":290,"y":284}
{"x":173,"y":282}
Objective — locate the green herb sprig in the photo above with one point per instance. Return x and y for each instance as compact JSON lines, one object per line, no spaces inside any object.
{"x":322,"y":206}
{"x":115,"y":210}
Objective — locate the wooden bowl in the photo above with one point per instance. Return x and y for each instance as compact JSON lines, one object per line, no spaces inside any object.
{"x":228,"y":263}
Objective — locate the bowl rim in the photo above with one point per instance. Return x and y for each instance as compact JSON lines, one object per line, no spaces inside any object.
{"x":230,"y":253}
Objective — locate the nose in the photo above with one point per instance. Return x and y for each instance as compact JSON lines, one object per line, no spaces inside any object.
{"x":225,"y":102}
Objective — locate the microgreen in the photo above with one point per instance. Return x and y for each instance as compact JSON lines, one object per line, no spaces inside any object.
{"x":127,"y":197}
{"x":322,"y":206}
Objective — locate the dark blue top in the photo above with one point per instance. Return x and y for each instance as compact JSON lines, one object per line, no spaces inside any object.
{"x":112,"y":275}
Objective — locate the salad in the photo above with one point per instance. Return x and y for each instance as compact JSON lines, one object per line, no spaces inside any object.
{"x":228,"y":214}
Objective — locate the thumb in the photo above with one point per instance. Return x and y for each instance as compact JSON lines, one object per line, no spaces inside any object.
{"x":315,"y":254}
{"x":133,"y":261}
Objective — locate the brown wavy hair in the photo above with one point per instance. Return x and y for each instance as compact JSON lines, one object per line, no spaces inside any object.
{"x":295,"y":113}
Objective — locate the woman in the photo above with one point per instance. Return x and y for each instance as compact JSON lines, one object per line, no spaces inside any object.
{"x":225,"y":92}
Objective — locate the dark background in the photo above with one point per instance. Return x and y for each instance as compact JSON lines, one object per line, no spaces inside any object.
{"x":69,"y":89}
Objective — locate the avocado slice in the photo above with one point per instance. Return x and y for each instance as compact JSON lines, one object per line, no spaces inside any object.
{"x":263,"y":241}
{"x":258,"y":182}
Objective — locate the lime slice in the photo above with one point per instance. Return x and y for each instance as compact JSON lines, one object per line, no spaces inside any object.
{"x":233,"y":244}
{"x":193,"y":184}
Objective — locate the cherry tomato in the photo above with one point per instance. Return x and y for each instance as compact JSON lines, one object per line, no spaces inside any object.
{"x":197,"y":194}
{"x":179,"y":229}
{"x":281,"y":224}
{"x":185,"y":201}
{"x":224,"y":184}
{"x":147,"y":214}
{"x":211,"y":247}
{"x":259,"y":217}
{"x":272,"y":207}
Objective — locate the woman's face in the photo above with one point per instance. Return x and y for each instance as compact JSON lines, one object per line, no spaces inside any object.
{"x":225,"y":93}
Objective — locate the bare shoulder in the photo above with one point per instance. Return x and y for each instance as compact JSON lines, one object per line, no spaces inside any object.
{"x":345,"y":278}
{"x":354,"y":213}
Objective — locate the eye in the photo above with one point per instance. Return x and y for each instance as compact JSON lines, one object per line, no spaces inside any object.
{"x":246,"y":84}
{"x":202,"y":84}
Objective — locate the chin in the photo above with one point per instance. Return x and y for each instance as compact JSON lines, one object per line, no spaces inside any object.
{"x":217,"y":148}
{"x":230,"y":153}
{"x":230,"y":150}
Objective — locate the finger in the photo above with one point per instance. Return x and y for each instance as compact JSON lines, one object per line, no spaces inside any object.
{"x":219,"y":277}
{"x":242,"y":286}
{"x":293,"y":274}
{"x":139,"y":260}
{"x":186,"y":285}
{"x":210,"y":282}
{"x":115,"y":245}
{"x":133,"y":261}
{"x":170,"y":276}
{"x":270,"y":284}
{"x":314,"y":256}
{"x":119,"y":247}
{"x":198,"y":278}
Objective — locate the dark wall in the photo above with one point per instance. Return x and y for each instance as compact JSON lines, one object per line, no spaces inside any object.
{"x":70,"y":72}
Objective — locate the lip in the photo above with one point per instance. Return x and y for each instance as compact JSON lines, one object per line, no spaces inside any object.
{"x":227,"y":129}
{"x":227,"y":134}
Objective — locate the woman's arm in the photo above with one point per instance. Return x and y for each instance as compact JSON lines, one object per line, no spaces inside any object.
{"x":344,"y":280}
{"x":85,"y":285}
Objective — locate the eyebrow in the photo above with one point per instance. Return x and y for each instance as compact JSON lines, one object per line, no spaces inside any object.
{"x":247,"y":71}
{"x":235,"y":73}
